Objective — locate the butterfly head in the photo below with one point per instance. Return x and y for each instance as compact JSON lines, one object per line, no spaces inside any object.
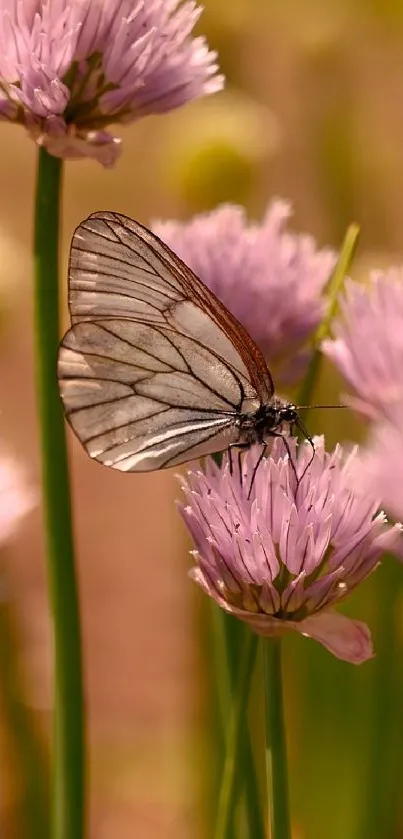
{"x":288,"y":414}
{"x":277,"y":414}
{"x":268,"y":420}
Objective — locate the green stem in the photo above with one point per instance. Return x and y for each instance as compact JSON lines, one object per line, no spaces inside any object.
{"x":236,"y":639}
{"x":68,"y":762}
{"x":276,"y":751}
{"x":335,"y":284}
{"x":229,"y":636}
{"x":235,"y":737}
{"x":381,"y":803}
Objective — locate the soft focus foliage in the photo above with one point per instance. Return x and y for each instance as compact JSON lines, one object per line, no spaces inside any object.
{"x":16,"y":500}
{"x":214,"y":159}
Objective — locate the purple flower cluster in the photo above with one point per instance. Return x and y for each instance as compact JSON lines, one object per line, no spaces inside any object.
{"x":368,"y":350}
{"x":368,"y":342}
{"x":69,"y":69}
{"x":271,"y":279}
{"x":285,"y":556}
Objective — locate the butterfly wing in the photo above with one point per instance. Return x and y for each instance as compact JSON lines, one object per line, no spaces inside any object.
{"x":118,"y":268}
{"x":141,"y":397}
{"x":154,"y":371}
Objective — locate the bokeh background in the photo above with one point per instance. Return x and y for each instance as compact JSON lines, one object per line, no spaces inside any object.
{"x":312,"y":112}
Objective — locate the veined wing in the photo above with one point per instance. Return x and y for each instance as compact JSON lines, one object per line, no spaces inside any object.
{"x":119,"y":269}
{"x":142,"y":396}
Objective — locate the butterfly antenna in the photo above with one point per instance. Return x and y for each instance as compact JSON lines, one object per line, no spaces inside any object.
{"x":256,"y":466}
{"x":308,"y":407}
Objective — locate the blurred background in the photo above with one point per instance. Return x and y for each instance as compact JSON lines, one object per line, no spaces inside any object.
{"x":312,"y":112}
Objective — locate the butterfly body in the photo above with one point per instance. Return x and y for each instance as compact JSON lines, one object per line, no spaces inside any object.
{"x":268,"y":420}
{"x":155,"y":371}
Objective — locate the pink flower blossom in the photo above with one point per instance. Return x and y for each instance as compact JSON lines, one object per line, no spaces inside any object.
{"x":69,"y":69}
{"x":270,"y":279}
{"x":379,"y":469}
{"x":368,"y":343}
{"x":284,"y":557}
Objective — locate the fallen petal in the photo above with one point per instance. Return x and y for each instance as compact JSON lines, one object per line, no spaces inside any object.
{"x":347,"y":639}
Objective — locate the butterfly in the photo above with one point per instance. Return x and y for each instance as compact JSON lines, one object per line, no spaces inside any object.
{"x":155,"y":371}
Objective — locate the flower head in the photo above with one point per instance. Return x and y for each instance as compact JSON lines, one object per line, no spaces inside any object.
{"x":15,"y":499}
{"x":270,"y":279}
{"x":68,"y":69}
{"x":284,"y":557}
{"x":380,"y":465}
{"x":368,"y":343}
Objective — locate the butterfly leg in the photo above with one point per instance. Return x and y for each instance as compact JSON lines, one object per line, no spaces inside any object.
{"x":258,"y":462}
{"x":231,"y":468}
{"x":241,"y":447}
{"x":312,"y":445}
{"x":293,"y":466}
{"x":263,"y":452}
{"x":287,"y":448}
{"x":240,"y":450}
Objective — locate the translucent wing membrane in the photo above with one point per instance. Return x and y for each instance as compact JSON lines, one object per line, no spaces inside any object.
{"x":134,"y":400}
{"x":155,"y":371}
{"x":120,"y":269}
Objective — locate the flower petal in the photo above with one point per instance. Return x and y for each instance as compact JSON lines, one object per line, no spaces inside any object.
{"x":367,"y":346}
{"x":347,"y":639}
{"x":99,"y":145}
